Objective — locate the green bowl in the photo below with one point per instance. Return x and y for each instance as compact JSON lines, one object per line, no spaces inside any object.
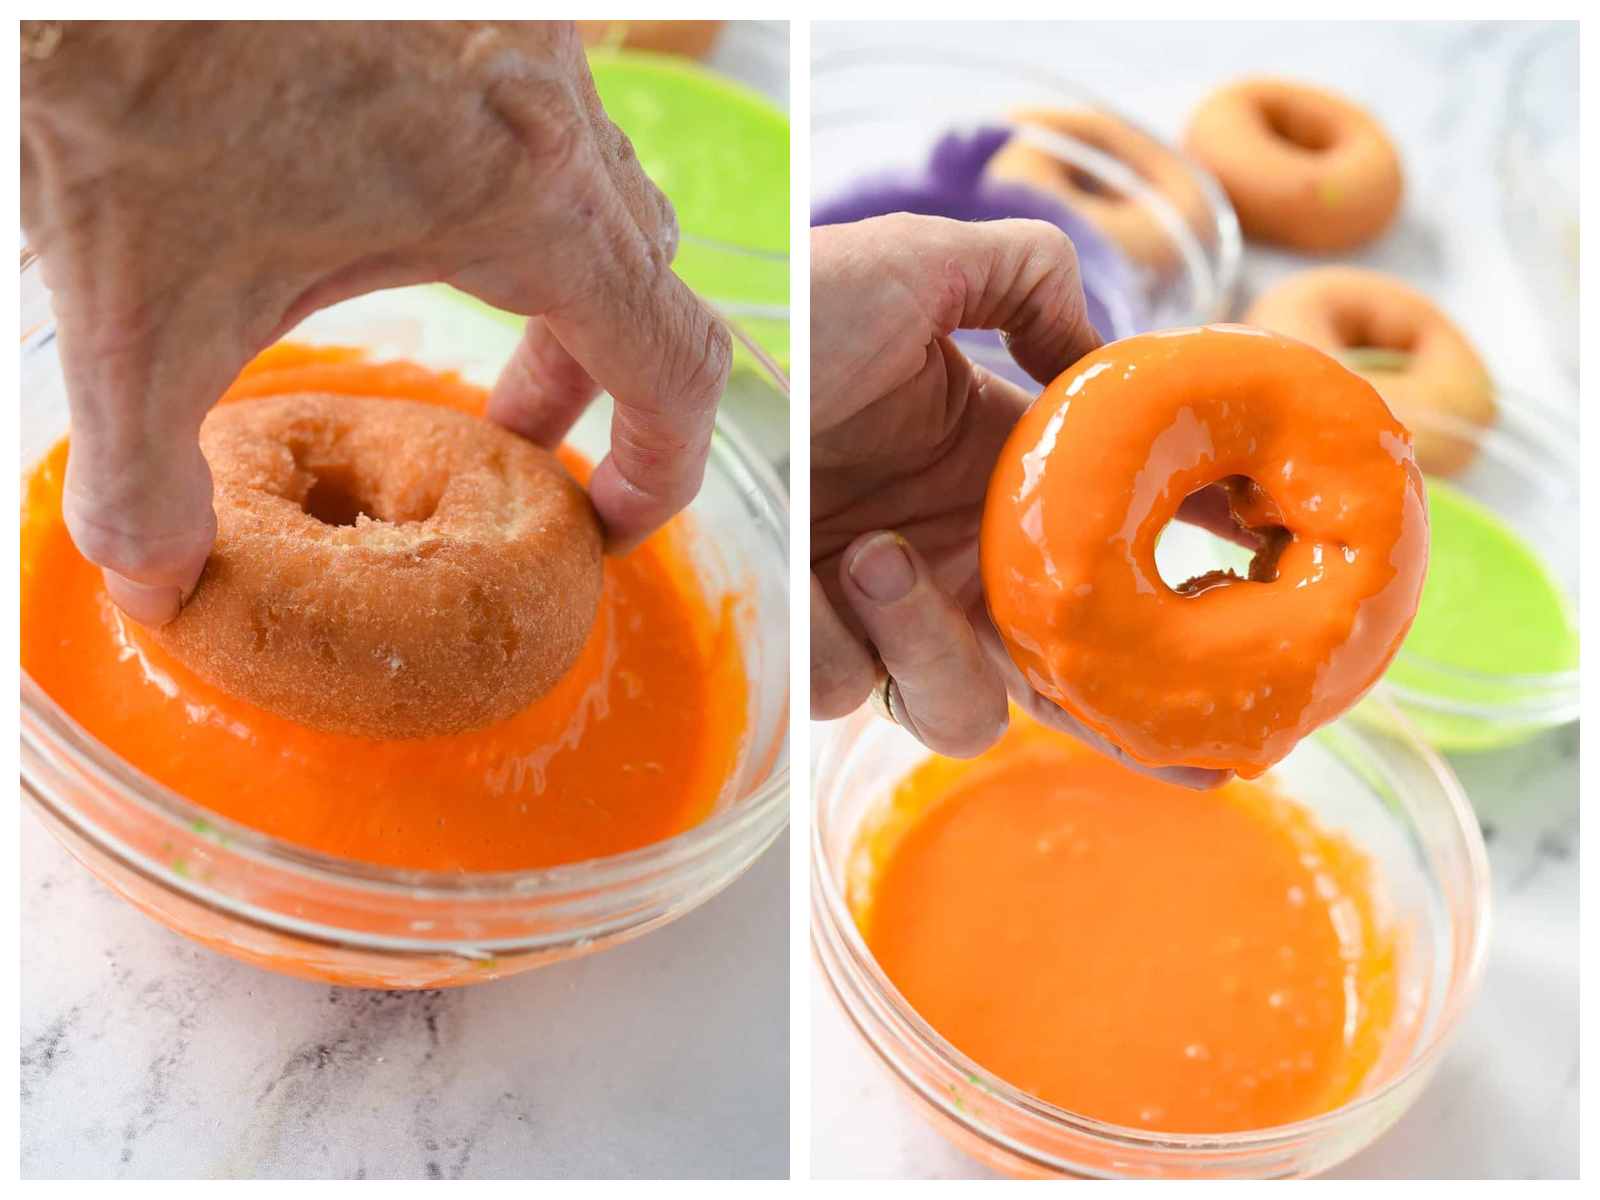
{"x":720,"y":152}
{"x":1492,"y":659}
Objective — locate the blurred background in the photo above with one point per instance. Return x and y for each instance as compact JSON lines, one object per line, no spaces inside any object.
{"x":1483,"y":117}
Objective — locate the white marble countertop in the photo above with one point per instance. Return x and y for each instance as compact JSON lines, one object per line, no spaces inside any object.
{"x":1505,"y":1102}
{"x":147,"y":1056}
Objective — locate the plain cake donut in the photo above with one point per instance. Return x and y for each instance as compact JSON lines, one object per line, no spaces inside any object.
{"x":1128,"y":220}
{"x":1401,"y":343}
{"x":1304,"y":168}
{"x":386,"y":568}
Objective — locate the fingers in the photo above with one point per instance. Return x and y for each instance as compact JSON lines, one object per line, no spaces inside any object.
{"x":137,"y":493}
{"x":953,"y":700}
{"x":891,"y":285}
{"x":1020,"y":277}
{"x":841,"y":668}
{"x":614,"y":317}
{"x":1045,"y":711}
{"x":543,"y":390}
{"x":652,"y":212}
{"x":633,"y":329}
{"x":665,"y":359}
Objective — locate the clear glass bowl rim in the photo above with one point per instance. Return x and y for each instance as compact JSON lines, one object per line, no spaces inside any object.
{"x":1230,"y":240}
{"x":830,"y":911}
{"x":48,"y":732}
{"x":1552,"y":430}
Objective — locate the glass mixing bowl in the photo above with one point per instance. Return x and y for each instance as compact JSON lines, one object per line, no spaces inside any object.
{"x":882,"y":113}
{"x":1370,"y":775}
{"x":281,"y":906}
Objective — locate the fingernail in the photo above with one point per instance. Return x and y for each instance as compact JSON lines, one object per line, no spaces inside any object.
{"x":146,"y":603}
{"x":882,"y":569}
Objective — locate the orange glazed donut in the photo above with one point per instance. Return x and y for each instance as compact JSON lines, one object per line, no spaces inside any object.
{"x":1126,"y":220}
{"x":1304,"y":168}
{"x":386,"y":568}
{"x":1393,"y":336}
{"x":1220,"y":672}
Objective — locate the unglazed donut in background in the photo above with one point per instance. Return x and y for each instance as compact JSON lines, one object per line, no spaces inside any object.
{"x":1220,"y":672}
{"x":386,"y":568}
{"x":1432,"y":369}
{"x":692,"y":39}
{"x":1125,"y":219}
{"x":1304,"y":168}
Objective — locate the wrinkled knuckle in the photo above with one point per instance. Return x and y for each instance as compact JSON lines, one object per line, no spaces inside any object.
{"x":1046,"y":277}
{"x":662,"y":469}
{"x":692,"y":376}
{"x":563,"y":145}
{"x":627,"y":156}
{"x":667,"y":232}
{"x":1043,"y":240}
{"x":645,"y":443}
{"x":551,"y":124}
{"x":718,"y":360}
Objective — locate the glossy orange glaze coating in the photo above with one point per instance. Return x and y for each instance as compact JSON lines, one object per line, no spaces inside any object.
{"x":1125,"y":949}
{"x":633,"y":746}
{"x":1221,"y":672}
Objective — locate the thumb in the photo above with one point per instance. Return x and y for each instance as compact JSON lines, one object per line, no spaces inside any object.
{"x":137,"y":493}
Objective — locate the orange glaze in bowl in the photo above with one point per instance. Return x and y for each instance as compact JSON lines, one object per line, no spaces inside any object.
{"x":631,"y":747}
{"x":1124,"y":949}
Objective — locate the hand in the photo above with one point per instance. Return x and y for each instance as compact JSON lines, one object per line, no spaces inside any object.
{"x":197,"y":189}
{"x":905,"y":432}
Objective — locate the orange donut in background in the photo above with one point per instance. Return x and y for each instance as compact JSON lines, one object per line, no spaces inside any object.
{"x":1220,"y":672}
{"x":1399,"y":341}
{"x":1126,"y":219}
{"x":386,"y":568}
{"x":692,"y":39}
{"x":1304,"y":168}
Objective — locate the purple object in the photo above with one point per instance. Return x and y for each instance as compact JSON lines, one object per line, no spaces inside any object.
{"x":953,"y":185}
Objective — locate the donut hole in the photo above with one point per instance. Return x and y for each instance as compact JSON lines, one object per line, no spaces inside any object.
{"x":1301,"y":127}
{"x":1087,"y":183}
{"x":1191,"y":559}
{"x":338,"y":496}
{"x":335,"y":500}
{"x":1084,"y":181}
{"x":1371,"y":344}
{"x":1192,"y":556}
{"x":1090,"y":185}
